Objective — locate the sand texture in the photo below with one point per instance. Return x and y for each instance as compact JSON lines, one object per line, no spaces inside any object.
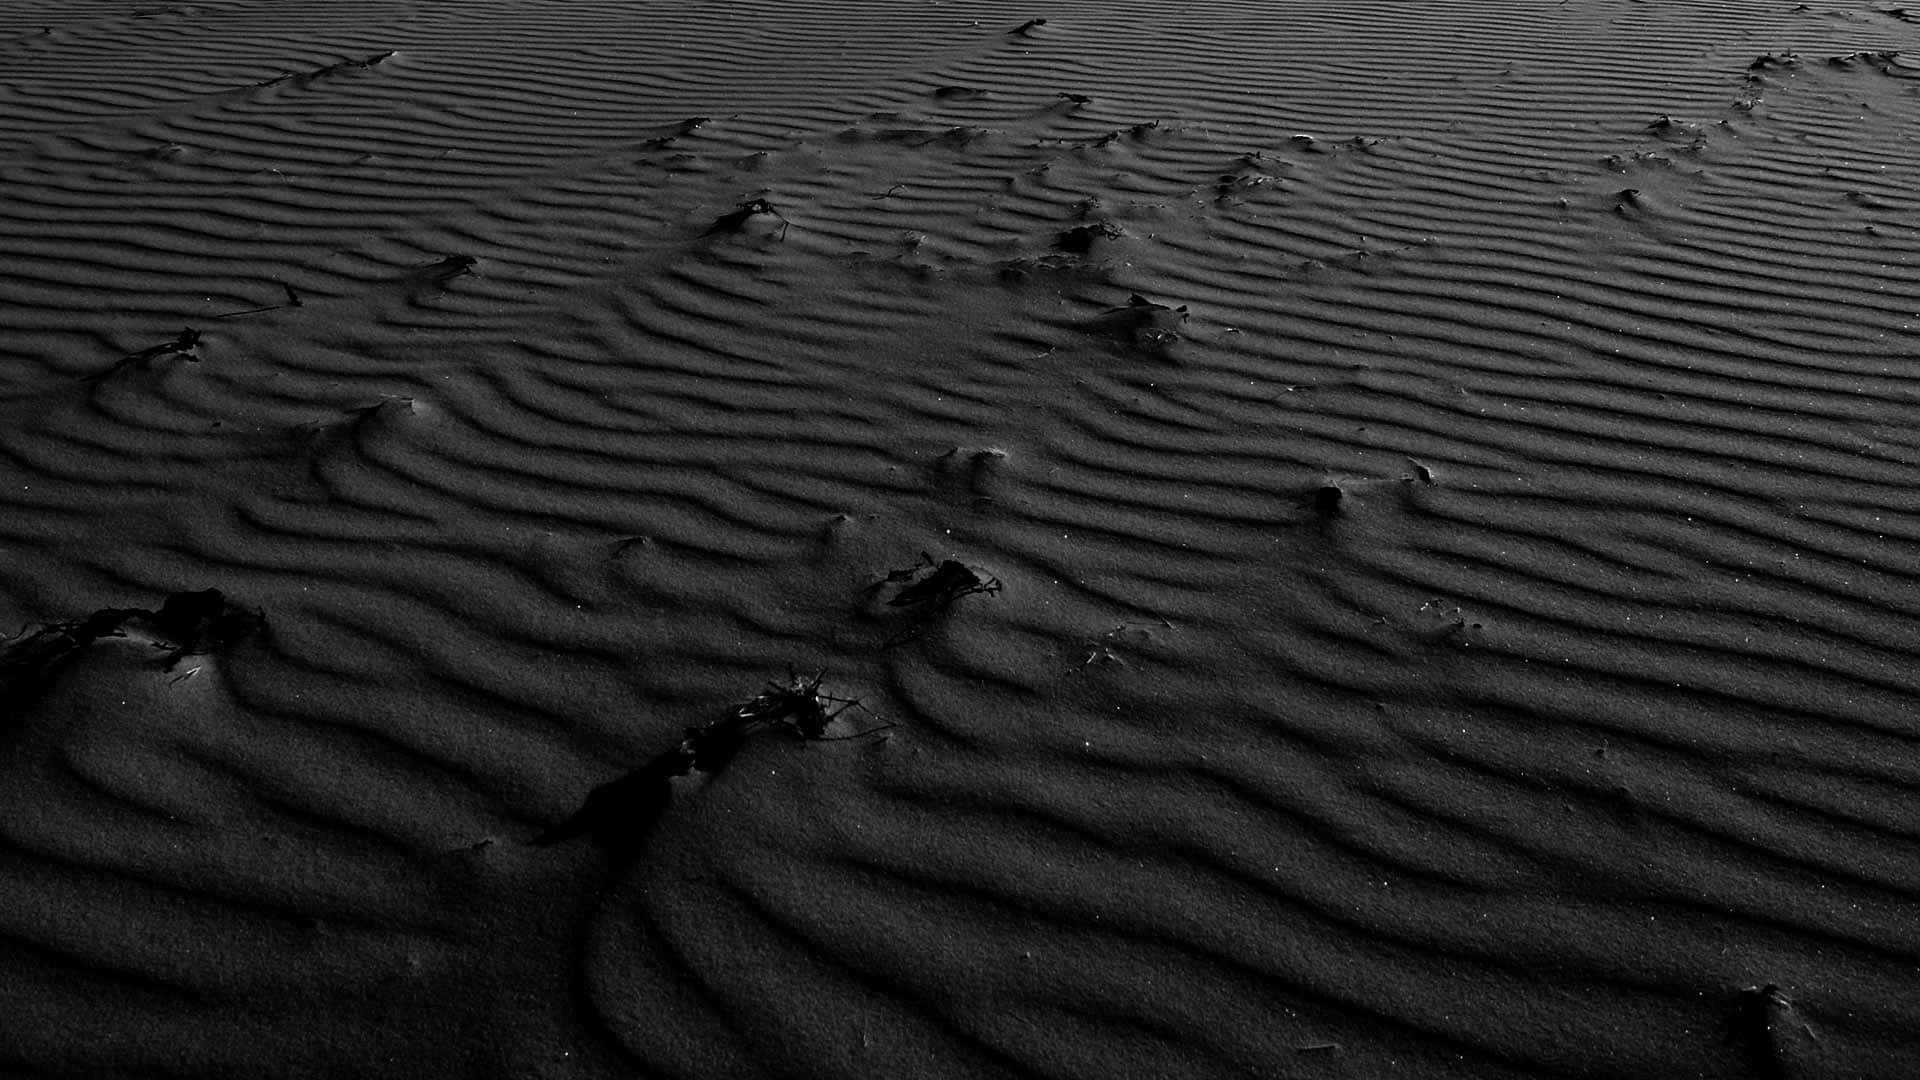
{"x":1369,"y":539}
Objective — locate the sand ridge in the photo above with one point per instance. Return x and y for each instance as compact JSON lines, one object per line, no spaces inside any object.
{"x":1448,"y":470}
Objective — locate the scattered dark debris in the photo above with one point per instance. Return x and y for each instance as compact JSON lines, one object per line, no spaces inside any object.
{"x":735,"y":221}
{"x":937,"y":587}
{"x":1143,"y":323}
{"x":1235,"y":183}
{"x":798,"y":706}
{"x":1112,"y":646}
{"x":1450,"y":625}
{"x":187,"y":624}
{"x":181,"y":346}
{"x":1313,"y":145}
{"x":301,"y":78}
{"x":1137,"y":133}
{"x":1079,"y":239}
{"x":926,"y":590}
{"x":674,"y":133}
{"x":1639,"y":159}
{"x":619,"y":814}
{"x":1880,"y":60}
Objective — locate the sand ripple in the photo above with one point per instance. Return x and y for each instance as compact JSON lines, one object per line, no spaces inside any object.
{"x":1449,"y":469}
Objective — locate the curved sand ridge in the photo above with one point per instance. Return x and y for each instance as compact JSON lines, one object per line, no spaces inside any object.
{"x":1448,"y":469}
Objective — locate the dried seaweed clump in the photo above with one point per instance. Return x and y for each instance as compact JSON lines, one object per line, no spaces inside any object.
{"x":619,"y":814}
{"x":186,"y":624}
{"x":927,"y":589}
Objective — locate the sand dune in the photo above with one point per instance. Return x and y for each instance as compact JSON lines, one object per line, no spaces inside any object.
{"x":1439,"y":477}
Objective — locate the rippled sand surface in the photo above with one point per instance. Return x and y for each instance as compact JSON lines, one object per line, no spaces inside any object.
{"x":1413,"y":509}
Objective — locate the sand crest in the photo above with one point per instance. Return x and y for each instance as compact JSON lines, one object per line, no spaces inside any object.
{"x":1366,"y":539}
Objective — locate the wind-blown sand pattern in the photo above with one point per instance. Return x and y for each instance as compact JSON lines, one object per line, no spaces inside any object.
{"x":1448,"y":472}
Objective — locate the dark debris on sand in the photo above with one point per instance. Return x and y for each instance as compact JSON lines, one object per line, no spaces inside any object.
{"x":1080,"y":239}
{"x":619,"y":814}
{"x":182,"y":346}
{"x":927,"y":589}
{"x":1142,"y":323}
{"x":186,"y":624}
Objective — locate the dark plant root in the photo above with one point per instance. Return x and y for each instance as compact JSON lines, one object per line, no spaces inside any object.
{"x":186,"y":624}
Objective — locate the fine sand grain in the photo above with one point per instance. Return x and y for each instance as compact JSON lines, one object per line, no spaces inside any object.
{"x":1370,"y":539}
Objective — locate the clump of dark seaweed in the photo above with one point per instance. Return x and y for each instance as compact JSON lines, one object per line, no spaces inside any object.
{"x":798,"y":707}
{"x":927,"y":589}
{"x":182,"y":345}
{"x":186,"y":624}
{"x":619,"y":815}
{"x":1079,"y":240}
